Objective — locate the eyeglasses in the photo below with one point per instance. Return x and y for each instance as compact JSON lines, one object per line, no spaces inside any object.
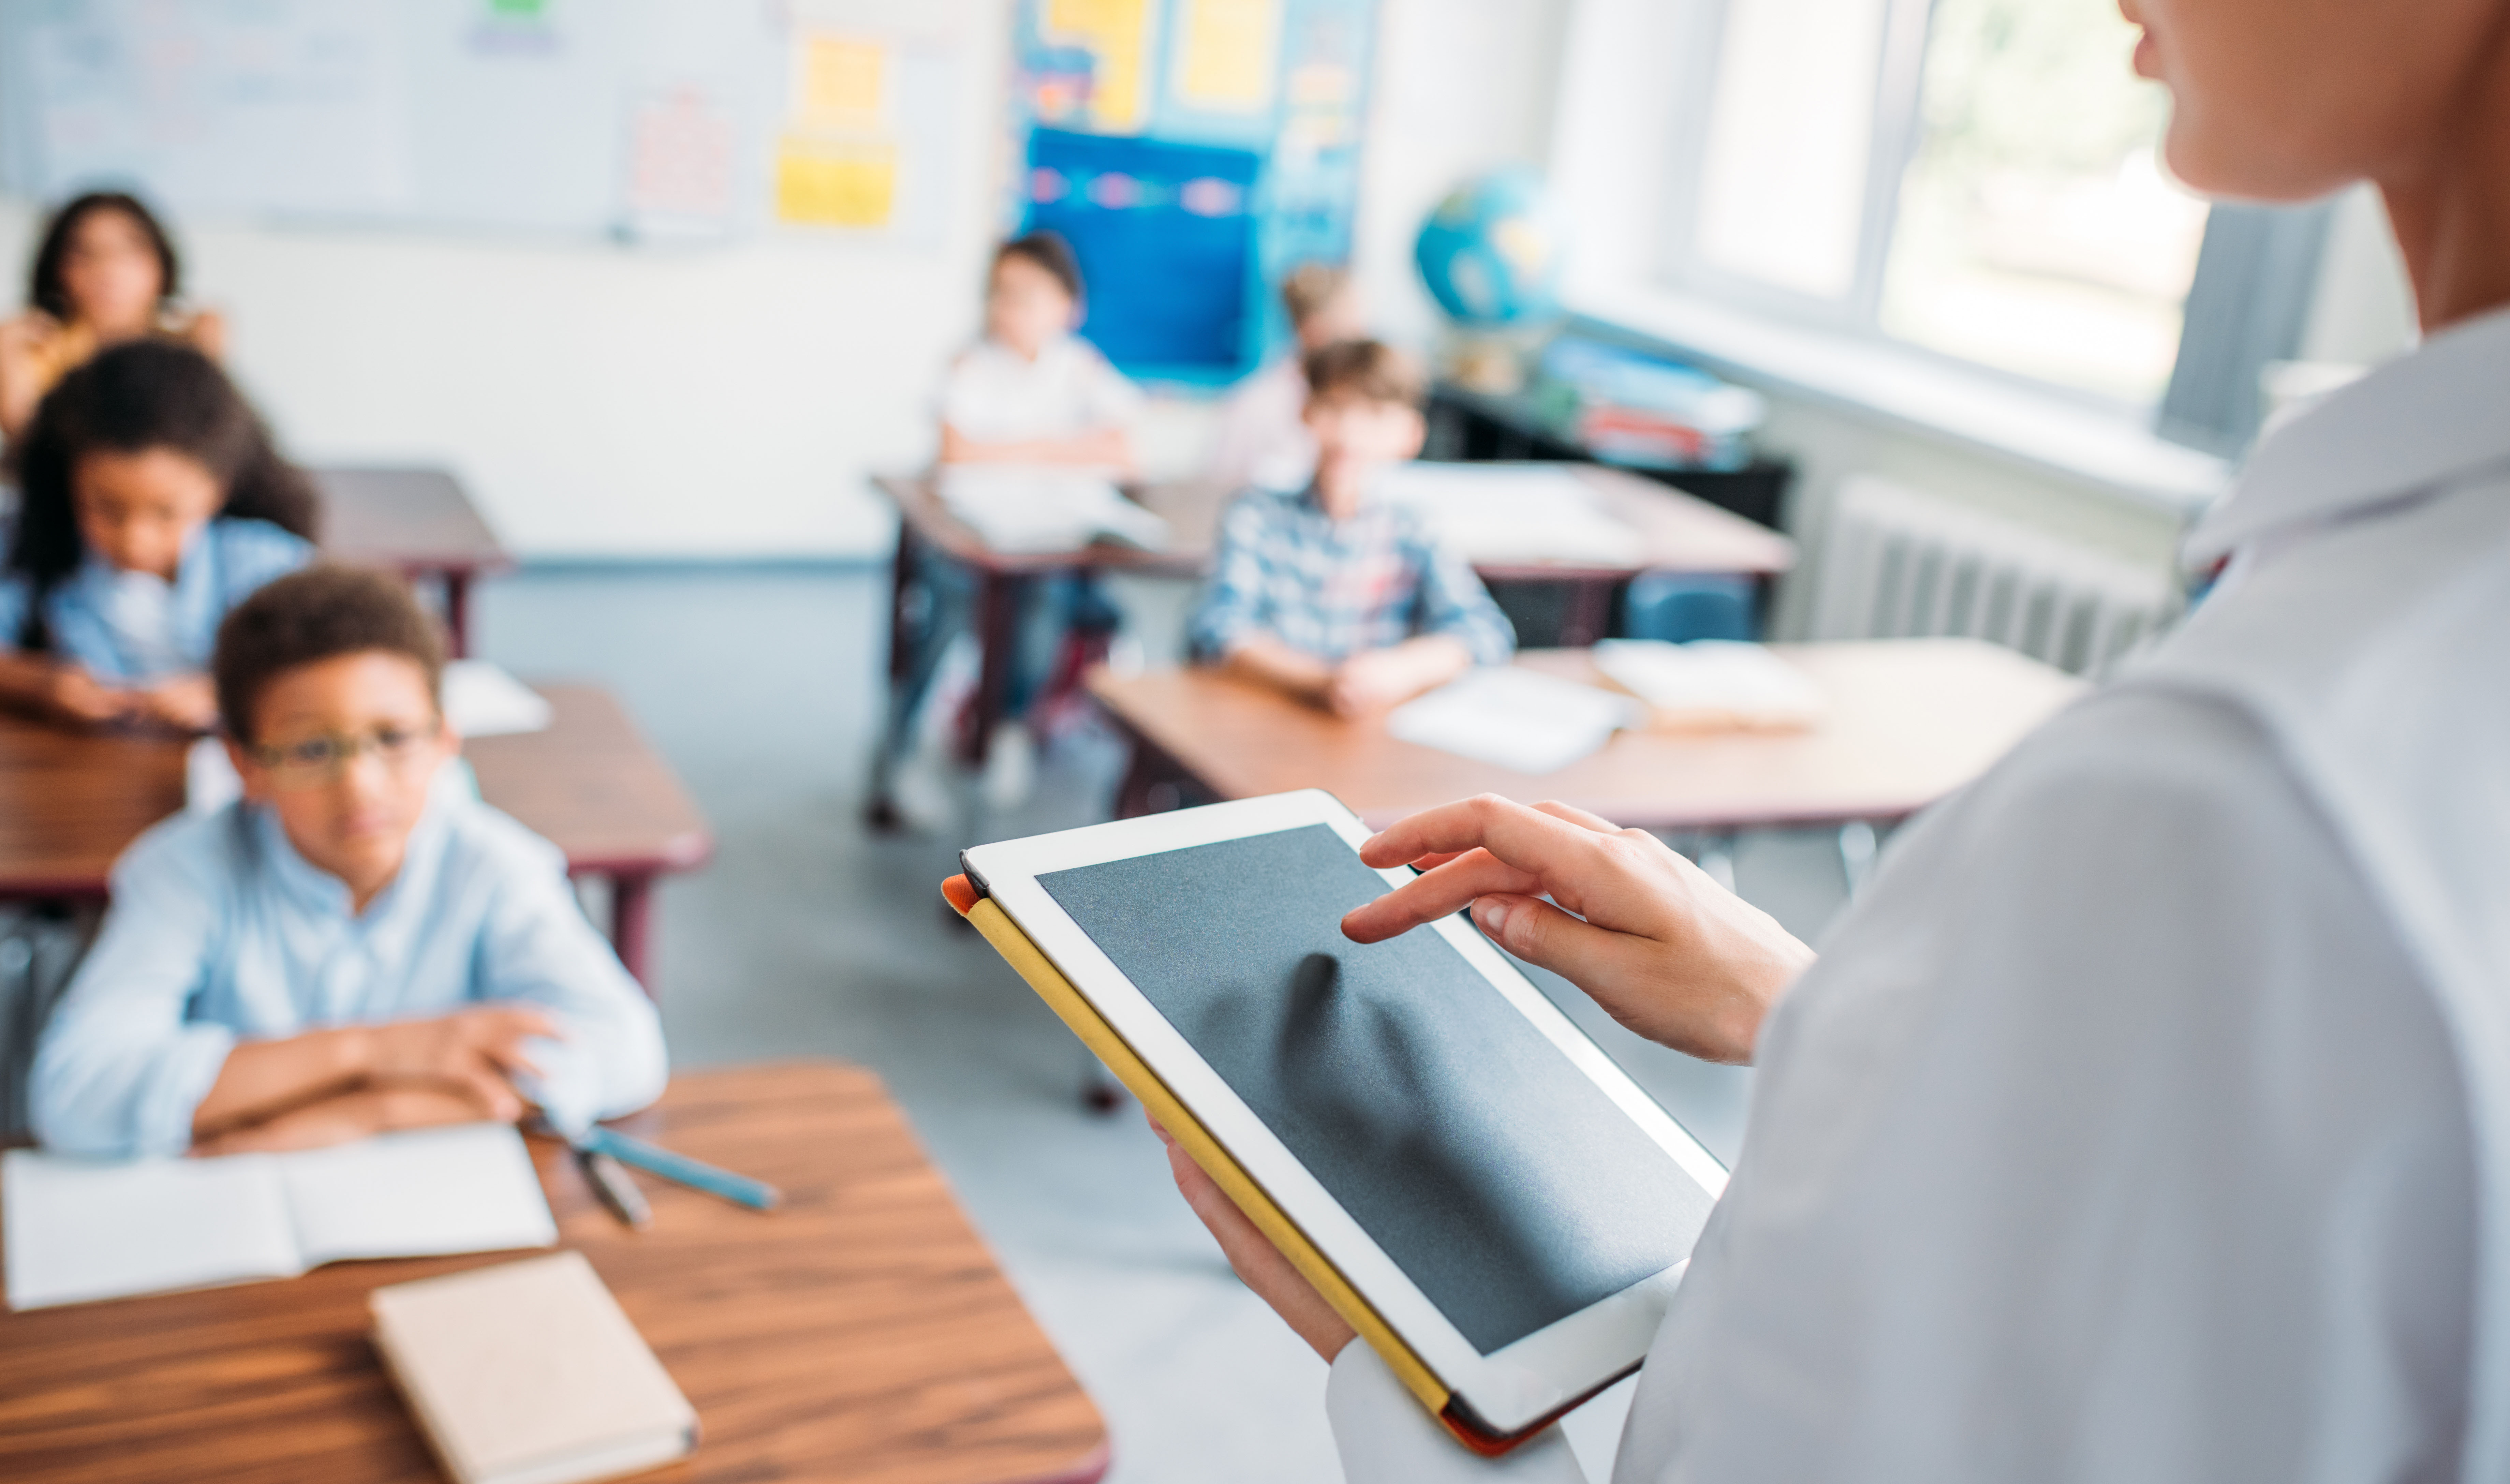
{"x":312,"y":760}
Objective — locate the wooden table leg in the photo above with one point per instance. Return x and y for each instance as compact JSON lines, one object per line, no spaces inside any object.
{"x":1589,"y":612}
{"x":457,"y":613}
{"x":901,"y":583}
{"x":632,"y":909}
{"x":998,"y":606}
{"x":1153,"y":781}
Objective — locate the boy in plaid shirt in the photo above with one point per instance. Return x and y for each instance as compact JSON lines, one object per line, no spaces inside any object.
{"x":1329,"y":594}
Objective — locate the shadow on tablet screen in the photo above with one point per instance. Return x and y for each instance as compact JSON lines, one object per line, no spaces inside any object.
{"x":1502,"y":1182}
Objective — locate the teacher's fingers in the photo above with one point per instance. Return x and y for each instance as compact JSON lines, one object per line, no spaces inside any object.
{"x":1517,"y":834}
{"x":1578,"y":817}
{"x":1435,"y":893}
{"x":1585,"y":955}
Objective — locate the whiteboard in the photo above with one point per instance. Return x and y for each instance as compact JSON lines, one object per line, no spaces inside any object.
{"x":637,"y":119}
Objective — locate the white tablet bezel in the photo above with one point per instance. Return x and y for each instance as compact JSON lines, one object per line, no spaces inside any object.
{"x":1511,"y":1389}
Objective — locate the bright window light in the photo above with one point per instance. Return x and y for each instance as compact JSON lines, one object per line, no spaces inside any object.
{"x":2037,"y":232}
{"x":1789,"y":140}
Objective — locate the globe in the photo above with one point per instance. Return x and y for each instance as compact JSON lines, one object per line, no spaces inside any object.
{"x":1491,"y":251}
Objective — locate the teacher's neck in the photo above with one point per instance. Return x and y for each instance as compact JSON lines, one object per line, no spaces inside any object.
{"x":2451,"y":206}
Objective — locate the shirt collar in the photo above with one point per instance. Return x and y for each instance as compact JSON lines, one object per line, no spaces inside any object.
{"x":191,"y":599}
{"x":319,"y":892}
{"x":2410,"y":426}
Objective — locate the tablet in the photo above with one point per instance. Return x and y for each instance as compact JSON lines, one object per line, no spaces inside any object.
{"x":1463,"y":1174}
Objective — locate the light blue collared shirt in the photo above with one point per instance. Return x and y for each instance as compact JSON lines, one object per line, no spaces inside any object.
{"x":132,"y":625}
{"x":220,"y":931}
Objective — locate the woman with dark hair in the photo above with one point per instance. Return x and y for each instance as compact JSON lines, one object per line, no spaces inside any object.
{"x":106,"y":271}
{"x":151,"y":501}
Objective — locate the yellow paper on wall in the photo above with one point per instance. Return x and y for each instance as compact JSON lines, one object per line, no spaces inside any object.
{"x":1118,"y":34}
{"x":835,"y":185}
{"x":1229,"y":53}
{"x":842,"y":82}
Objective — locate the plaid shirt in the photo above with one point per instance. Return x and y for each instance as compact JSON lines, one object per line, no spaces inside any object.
{"x":1332,"y":588}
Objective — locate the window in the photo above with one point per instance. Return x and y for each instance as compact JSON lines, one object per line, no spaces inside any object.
{"x":1978,"y":179}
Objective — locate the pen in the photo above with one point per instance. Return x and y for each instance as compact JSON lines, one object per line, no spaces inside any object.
{"x":616,"y":1190}
{"x":696,"y":1174}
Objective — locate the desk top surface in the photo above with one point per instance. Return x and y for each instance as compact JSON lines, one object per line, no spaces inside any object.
{"x":1907,"y":721}
{"x":412,"y":519}
{"x":1677,"y":532}
{"x":71,"y":801}
{"x":861,"y":1331}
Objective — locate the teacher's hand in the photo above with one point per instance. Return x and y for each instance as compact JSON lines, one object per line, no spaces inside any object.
{"x":1658,"y":943}
{"x":1258,"y":1265}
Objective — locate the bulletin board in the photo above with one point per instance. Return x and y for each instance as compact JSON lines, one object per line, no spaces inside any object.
{"x":640,"y":119}
{"x":1194,"y":152}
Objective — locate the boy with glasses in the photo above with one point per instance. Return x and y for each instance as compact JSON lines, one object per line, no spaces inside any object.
{"x":359,"y":944}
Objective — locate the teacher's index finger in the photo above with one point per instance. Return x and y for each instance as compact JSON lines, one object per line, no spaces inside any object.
{"x":1435,"y":895}
{"x":1524,"y":837}
{"x":1486,"y":843}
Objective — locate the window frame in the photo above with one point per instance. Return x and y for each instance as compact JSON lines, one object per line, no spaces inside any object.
{"x":2247,"y":306}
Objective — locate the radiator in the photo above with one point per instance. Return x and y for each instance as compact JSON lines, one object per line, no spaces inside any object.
{"x":1896,"y":564}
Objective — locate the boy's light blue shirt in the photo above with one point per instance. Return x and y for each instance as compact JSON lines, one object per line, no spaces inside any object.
{"x":132,"y":626}
{"x":220,"y":931}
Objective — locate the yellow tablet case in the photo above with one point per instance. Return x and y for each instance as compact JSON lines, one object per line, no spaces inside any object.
{"x":989,"y":919}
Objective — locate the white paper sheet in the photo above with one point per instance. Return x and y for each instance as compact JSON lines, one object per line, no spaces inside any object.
{"x":481,"y":700}
{"x":1491,"y":513}
{"x":1712,"y":678}
{"x":84,"y":1229}
{"x":81,"y":1229}
{"x":1021,"y":510}
{"x":1517,"y":718}
{"x":470,"y":1188}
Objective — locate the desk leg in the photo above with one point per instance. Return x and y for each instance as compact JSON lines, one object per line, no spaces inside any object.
{"x":901,"y":586}
{"x":457,"y":614}
{"x":631,"y":909}
{"x":998,"y":606}
{"x":1153,"y":781}
{"x":1589,"y":614}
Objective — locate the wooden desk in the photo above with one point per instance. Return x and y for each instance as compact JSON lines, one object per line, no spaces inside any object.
{"x":1676,"y":533}
{"x":1909,"y":721}
{"x":859,"y":1332}
{"x":417,"y":521}
{"x":72,"y":801}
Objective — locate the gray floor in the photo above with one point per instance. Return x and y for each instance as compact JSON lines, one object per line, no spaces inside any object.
{"x":808,"y":936}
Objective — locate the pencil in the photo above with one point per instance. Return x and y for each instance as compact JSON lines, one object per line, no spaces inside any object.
{"x":696,"y":1174}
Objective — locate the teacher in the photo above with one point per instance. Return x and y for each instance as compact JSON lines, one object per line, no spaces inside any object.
{"x":106,"y":271}
{"x":2149,"y":1116}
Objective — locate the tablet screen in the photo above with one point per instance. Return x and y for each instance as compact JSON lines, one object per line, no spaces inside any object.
{"x":1503,"y":1183}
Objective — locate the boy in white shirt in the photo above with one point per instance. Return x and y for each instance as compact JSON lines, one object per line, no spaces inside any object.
{"x":1264,"y":442}
{"x":1030,"y":392}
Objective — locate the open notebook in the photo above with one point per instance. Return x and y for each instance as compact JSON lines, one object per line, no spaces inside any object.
{"x":78,"y":1229}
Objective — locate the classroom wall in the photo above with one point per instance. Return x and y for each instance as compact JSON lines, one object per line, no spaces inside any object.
{"x":1461,"y":87}
{"x":611,"y":401}
{"x":604,"y":401}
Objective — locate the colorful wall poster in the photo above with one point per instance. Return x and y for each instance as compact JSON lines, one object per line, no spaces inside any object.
{"x":834,"y":183}
{"x":1228,"y":53}
{"x":1116,"y":37}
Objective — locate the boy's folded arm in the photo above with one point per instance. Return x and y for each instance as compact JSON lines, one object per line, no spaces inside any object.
{"x":538,"y":949}
{"x":118,"y":1069}
{"x":1455,"y":603}
{"x":340,"y":1117}
{"x":1258,"y":655}
{"x":1233,"y":604}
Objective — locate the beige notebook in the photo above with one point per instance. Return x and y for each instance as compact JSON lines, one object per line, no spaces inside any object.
{"x":528,"y":1373}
